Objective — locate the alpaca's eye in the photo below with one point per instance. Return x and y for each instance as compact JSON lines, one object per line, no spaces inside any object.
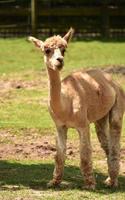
{"x":63,"y":51}
{"x":47,"y":51}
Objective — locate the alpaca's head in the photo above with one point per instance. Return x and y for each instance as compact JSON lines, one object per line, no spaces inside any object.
{"x":54,"y":49}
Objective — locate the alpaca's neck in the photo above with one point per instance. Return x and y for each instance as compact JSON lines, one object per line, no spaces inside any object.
{"x":54,"y":89}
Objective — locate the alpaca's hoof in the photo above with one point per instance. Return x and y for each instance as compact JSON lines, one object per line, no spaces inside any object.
{"x":111,"y":183}
{"x":53,"y":183}
{"x":89,"y":186}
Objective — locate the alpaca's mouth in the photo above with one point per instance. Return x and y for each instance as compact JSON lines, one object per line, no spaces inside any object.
{"x":59,"y":66}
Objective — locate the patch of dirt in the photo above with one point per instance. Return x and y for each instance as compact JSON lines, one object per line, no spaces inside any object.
{"x":29,"y":80}
{"x":19,"y":84}
{"x":115,"y":69}
{"x":30,"y":145}
{"x":40,"y":80}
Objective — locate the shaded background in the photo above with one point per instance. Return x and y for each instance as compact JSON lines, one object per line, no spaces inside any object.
{"x":90,"y":18}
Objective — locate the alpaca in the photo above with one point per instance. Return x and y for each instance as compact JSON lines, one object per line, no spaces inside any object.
{"x":82,"y":98}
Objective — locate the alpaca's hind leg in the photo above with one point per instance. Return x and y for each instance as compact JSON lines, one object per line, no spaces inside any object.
{"x":102,"y":130}
{"x":60,"y":156}
{"x":115,"y":120}
{"x":85,"y":158}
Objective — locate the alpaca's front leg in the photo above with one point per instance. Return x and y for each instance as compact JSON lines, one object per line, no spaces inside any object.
{"x":60,"y":156}
{"x":85,"y":156}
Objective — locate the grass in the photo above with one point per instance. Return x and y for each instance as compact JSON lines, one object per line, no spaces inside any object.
{"x":22,"y":62}
{"x":19,"y":55}
{"x":28,"y":179}
{"x":95,"y":53}
{"x":23,"y":105}
{"x":14,"y":57}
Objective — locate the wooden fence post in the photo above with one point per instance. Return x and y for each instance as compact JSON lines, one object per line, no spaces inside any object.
{"x":105,"y":20}
{"x":33,"y":17}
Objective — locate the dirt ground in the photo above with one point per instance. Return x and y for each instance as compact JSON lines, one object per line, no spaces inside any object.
{"x":115,"y":69}
{"x":17,"y":83}
{"x":34,"y":146}
{"x":30,"y":145}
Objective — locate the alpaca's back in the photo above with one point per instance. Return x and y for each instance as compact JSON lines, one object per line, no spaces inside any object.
{"x":120,"y":94}
{"x":94,"y":90}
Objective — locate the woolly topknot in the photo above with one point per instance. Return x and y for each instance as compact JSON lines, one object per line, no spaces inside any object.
{"x":55,"y":42}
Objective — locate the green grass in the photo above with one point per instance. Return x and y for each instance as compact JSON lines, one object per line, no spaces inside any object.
{"x":20,"y":60}
{"x":94,"y":53}
{"x":24,"y":115}
{"x":19,"y":55}
{"x":26,"y":108}
{"x":28,"y":179}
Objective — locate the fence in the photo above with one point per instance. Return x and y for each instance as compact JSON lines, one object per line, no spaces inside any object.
{"x":90,"y":18}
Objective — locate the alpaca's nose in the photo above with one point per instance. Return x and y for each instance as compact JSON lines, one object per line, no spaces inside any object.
{"x":60,"y":59}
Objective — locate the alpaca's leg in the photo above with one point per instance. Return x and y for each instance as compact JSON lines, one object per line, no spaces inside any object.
{"x":85,"y":158}
{"x":102,"y":130}
{"x":60,"y":156}
{"x":114,"y":146}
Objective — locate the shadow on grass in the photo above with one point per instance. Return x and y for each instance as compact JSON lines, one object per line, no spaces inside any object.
{"x":15,"y":176}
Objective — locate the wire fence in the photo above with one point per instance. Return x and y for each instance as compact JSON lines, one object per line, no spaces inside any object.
{"x":90,"y":18}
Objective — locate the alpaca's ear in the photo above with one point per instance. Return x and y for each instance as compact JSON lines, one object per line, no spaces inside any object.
{"x":38,"y":43}
{"x":69,"y":35}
